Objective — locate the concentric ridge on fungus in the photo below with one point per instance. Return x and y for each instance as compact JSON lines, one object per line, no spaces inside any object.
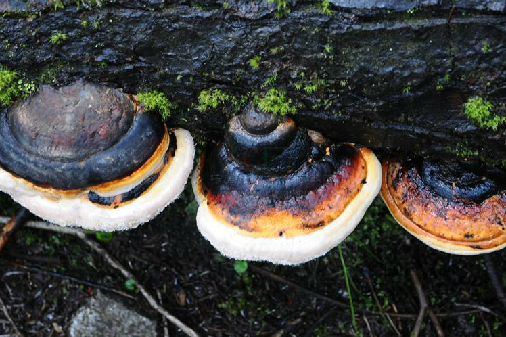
{"x":278,"y":193}
{"x":87,"y":155}
{"x":455,"y":207}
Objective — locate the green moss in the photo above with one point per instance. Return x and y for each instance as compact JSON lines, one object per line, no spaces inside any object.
{"x":156,"y":101}
{"x":485,"y":47}
{"x":211,"y":99}
{"x":276,"y":102}
{"x":463,"y":150}
{"x":479,"y":112}
{"x":12,"y":88}
{"x":276,"y":50}
{"x":57,"y":4}
{"x":325,"y":7}
{"x":271,"y":80}
{"x":282,"y":7}
{"x":89,"y":3}
{"x":8,"y":88}
{"x":255,"y":62}
{"x":58,"y":38}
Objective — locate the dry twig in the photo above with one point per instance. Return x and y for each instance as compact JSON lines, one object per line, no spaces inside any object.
{"x":342,"y":305}
{"x":66,"y":277}
{"x":114,"y":263}
{"x":11,"y":226}
{"x":380,"y":307}
{"x":6,"y":313}
{"x":482,"y":309}
{"x":496,"y":284}
{"x":424,"y":308}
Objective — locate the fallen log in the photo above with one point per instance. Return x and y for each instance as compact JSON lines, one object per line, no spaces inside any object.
{"x":393,"y":75}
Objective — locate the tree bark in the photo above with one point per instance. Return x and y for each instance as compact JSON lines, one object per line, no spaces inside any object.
{"x":393,"y":75}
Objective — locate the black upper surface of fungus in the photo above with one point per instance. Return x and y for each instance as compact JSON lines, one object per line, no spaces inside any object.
{"x":278,"y":162}
{"x":465,"y":181}
{"x":72,"y":142}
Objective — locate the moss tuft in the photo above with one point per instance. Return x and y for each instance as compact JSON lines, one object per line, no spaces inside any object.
{"x":479,"y":111}
{"x":211,"y":99}
{"x":58,"y":38}
{"x":12,"y":88}
{"x":8,"y":88}
{"x":282,"y":7}
{"x":325,"y":7}
{"x":255,"y":62}
{"x":156,"y":101}
{"x":276,"y":102}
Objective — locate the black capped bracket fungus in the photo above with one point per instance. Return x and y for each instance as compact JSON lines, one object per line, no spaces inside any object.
{"x":455,"y":207}
{"x":271,"y":191}
{"x":87,"y":155}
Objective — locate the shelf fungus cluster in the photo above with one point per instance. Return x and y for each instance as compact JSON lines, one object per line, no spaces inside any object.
{"x":455,"y":207}
{"x":271,"y":191}
{"x":87,"y":155}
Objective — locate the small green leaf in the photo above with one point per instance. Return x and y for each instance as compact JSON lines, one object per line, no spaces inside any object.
{"x":130,"y":284}
{"x":104,"y":236}
{"x":192,"y":208}
{"x":240,"y":266}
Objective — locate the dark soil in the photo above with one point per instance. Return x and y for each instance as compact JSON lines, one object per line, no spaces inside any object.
{"x":42,"y":278}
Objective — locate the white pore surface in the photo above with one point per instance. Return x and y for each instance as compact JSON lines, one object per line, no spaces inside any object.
{"x":295,"y":250}
{"x":81,"y":212}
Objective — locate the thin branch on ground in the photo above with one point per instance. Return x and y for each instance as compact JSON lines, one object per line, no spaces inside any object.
{"x":483,"y":309}
{"x":66,"y":277}
{"x":487,"y":326}
{"x":9,"y":318}
{"x":12,"y":224}
{"x":315,"y":326}
{"x":424,"y":308}
{"x":368,"y":326}
{"x":342,"y":305}
{"x":496,"y":284}
{"x":164,"y":320}
{"x":380,"y":307}
{"x":449,"y":20}
{"x":114,"y":263}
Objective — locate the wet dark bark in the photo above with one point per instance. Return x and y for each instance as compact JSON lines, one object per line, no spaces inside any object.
{"x":392,"y":75}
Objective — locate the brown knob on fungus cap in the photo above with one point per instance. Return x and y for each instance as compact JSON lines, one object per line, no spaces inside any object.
{"x":87,"y":155}
{"x":455,"y":207}
{"x":274,"y":192}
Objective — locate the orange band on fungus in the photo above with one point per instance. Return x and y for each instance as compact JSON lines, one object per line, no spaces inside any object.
{"x":454,"y":226}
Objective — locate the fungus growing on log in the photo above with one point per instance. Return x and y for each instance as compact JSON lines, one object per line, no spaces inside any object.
{"x":87,"y":155}
{"x":455,"y":207}
{"x":274,"y":192}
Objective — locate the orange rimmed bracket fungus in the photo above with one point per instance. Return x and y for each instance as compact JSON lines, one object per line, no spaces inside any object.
{"x":271,"y":191}
{"x":455,"y":207}
{"x":87,"y":155}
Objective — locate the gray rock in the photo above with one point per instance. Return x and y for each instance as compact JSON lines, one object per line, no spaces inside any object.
{"x":105,"y":317}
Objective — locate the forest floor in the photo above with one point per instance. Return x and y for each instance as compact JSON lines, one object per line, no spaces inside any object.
{"x":45,"y":277}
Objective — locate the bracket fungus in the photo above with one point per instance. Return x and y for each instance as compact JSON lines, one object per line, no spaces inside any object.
{"x":455,"y":207}
{"x":271,"y":191}
{"x":87,"y":155}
